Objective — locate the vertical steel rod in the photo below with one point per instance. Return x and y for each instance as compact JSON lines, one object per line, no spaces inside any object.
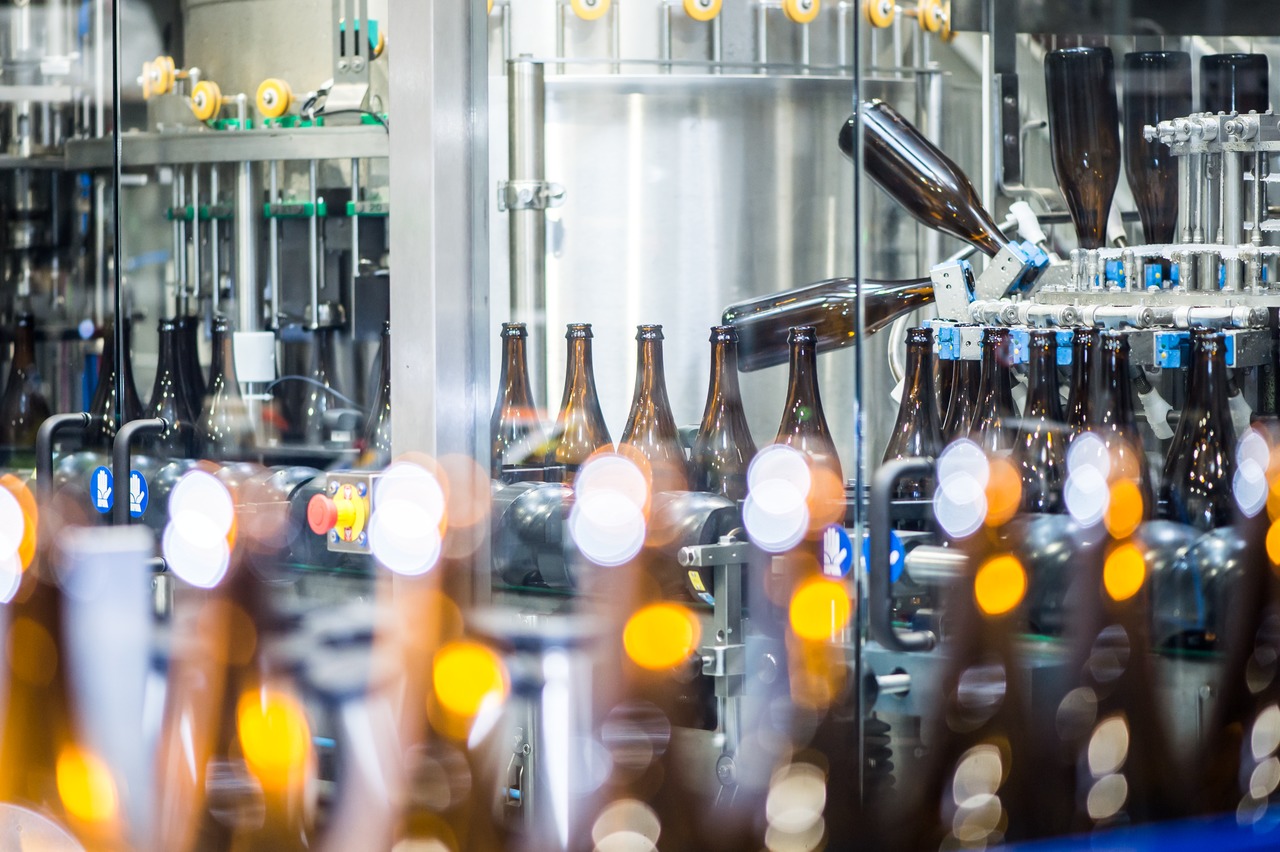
{"x":273,"y":245}
{"x":528,"y":225}
{"x":215,"y":271}
{"x":313,"y":242}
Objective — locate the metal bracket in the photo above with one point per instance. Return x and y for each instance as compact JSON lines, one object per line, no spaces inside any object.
{"x":724,"y":660}
{"x":953,"y":289}
{"x":1005,"y":273}
{"x":529,"y":195}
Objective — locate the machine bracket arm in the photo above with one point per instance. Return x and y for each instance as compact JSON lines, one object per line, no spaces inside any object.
{"x":881,"y":597}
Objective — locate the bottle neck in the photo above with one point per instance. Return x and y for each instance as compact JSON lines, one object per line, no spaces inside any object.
{"x":802,"y":386}
{"x":1209,"y":381}
{"x":24,"y":346}
{"x":724,"y":374}
{"x":919,"y":373}
{"x":223,"y":365}
{"x":650,"y":380}
{"x":386,"y":361}
{"x":580,"y":376}
{"x":515,"y":374}
{"x":1042,"y":379}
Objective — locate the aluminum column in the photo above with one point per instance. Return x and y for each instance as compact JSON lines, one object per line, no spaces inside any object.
{"x":526,"y":162}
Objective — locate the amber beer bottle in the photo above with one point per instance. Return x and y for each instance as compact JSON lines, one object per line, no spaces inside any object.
{"x":916,"y":433}
{"x":23,"y":408}
{"x":1084,"y":132}
{"x":1111,"y":417}
{"x":1200,"y":468}
{"x":723,"y":449}
{"x":192,"y":374}
{"x":995,"y":426}
{"x":1235,"y":82}
{"x":804,"y":425}
{"x":1084,"y":353}
{"x":103,"y":426}
{"x":1040,"y":453}
{"x":1157,"y":87}
{"x":963,"y":403}
{"x":514,"y":428}
{"x":829,"y":307}
{"x":920,"y":177}
{"x":168,"y":399}
{"x":651,"y":427}
{"x":580,"y":429}
{"x":224,"y":428}
{"x":375,"y":443}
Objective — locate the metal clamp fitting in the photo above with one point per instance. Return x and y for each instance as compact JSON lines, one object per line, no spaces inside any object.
{"x":529,"y":195}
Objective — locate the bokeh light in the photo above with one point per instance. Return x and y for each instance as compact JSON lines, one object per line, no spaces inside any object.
{"x":1273,"y":544}
{"x":85,"y":785}
{"x":30,"y":516}
{"x":274,"y":735}
{"x":776,"y":511}
{"x":467,"y":676}
{"x":960,"y":500}
{"x":608,"y":520}
{"x":661,"y":636}
{"x":796,"y":798}
{"x":1003,"y":492}
{"x":1000,"y":585}
{"x":1249,"y":485}
{"x":406,"y":528}
{"x":195,"y":543}
{"x":626,"y":824}
{"x":1086,"y":492}
{"x":820,"y":609}
{"x":1124,"y":572}
{"x":1125,"y":508}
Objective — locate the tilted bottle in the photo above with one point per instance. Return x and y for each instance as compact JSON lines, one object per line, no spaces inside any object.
{"x":1084,"y":133}
{"x":1200,"y":468}
{"x":224,"y":430}
{"x":23,"y":407}
{"x":319,"y":398}
{"x":191,"y":373}
{"x":995,"y":426}
{"x":1235,"y":82}
{"x":1084,"y":354}
{"x":963,"y":404}
{"x":375,"y":442}
{"x":103,"y":426}
{"x":804,"y":424}
{"x":723,"y":449}
{"x":920,"y":177}
{"x":580,"y":429}
{"x":1040,"y":453}
{"x":916,"y":433}
{"x":651,"y":426}
{"x":1112,"y":419}
{"x":168,"y":400}
{"x":1157,"y":87}
{"x":515,"y":429}
{"x":829,"y":307}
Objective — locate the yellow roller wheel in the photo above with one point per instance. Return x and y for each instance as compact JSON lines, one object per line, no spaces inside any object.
{"x":162,"y":74}
{"x":274,"y":98}
{"x":206,"y":100}
{"x":702,"y":10}
{"x":930,"y":16}
{"x":801,"y":11}
{"x":589,"y":10}
{"x":947,"y":33}
{"x":879,"y":13}
{"x":381,"y":45}
{"x":145,"y":80}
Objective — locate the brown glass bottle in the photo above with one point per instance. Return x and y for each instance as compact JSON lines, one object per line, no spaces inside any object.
{"x":916,"y":434}
{"x":191,"y":373}
{"x":515,"y":430}
{"x":995,"y":426}
{"x":963,"y":404}
{"x":1084,"y":132}
{"x":375,"y":442}
{"x":1157,"y":87}
{"x":1084,"y":353}
{"x":1235,"y":82}
{"x":23,"y":408}
{"x":944,"y":382}
{"x":1200,"y":467}
{"x":102,"y":429}
{"x":580,"y":429}
{"x":651,"y":426}
{"x":1178,"y":444}
{"x":1111,"y":417}
{"x":319,"y":399}
{"x":829,"y":307}
{"x":1040,"y":453}
{"x":804,"y":425}
{"x":168,"y":399}
{"x":224,"y":430}
{"x":920,"y":177}
{"x":723,"y":449}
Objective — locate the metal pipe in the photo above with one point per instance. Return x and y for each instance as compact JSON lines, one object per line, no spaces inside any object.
{"x":934,"y":565}
{"x":664,"y":37}
{"x":215,"y":273}
{"x":717,"y":45}
{"x":180,"y":249}
{"x":355,"y":233}
{"x":762,"y":33}
{"x":804,"y":48}
{"x":1232,"y":212}
{"x":1184,"y":197}
{"x":842,"y":37}
{"x":1197,"y":187}
{"x":506,"y":31}
{"x":313,"y":242}
{"x":194,"y":278}
{"x":121,"y":466}
{"x":615,"y":36}
{"x":526,"y":104}
{"x":1259,"y":195}
{"x":45,"y":436}
{"x":273,"y":245}
{"x":561,"y":23}
{"x":247,"y":210}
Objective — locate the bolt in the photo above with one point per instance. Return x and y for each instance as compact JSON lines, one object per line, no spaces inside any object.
{"x":357,"y":64}
{"x":343,"y":65}
{"x":362,"y":539}
{"x":333,"y":536}
{"x":362,"y":489}
{"x":333,"y":488}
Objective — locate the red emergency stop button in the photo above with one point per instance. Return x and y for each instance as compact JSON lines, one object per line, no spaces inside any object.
{"x":322,"y":514}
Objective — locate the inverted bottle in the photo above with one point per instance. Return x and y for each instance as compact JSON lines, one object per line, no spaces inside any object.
{"x":723,"y":448}
{"x":1157,"y":87}
{"x":1235,"y":82}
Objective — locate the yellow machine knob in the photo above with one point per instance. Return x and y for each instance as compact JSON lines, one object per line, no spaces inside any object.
{"x":702,"y":10}
{"x":589,"y":10}
{"x":382,"y":43}
{"x":274,"y":98}
{"x":879,"y":13}
{"x":930,"y":16}
{"x":801,"y":11}
{"x":162,"y":74}
{"x":206,"y":100}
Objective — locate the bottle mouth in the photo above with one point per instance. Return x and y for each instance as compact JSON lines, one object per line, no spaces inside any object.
{"x":724,"y":332}
{"x":514,"y":329}
{"x":578,"y":329}
{"x":649,"y":332}
{"x":802,"y":333}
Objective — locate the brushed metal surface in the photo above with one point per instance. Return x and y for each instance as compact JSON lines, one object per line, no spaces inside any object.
{"x":685,"y":194}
